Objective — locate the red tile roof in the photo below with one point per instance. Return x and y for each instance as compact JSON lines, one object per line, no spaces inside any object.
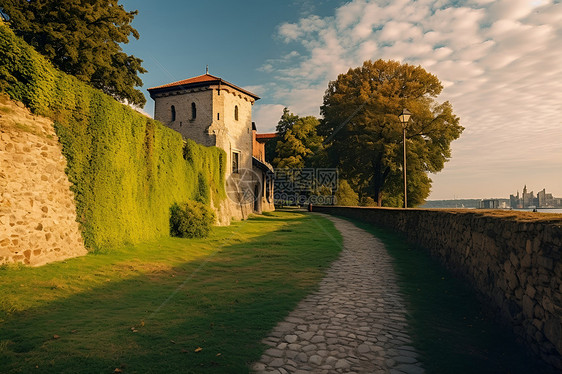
{"x":266,"y":136}
{"x":201,"y":80}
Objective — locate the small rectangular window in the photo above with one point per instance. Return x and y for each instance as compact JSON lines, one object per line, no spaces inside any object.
{"x":218,"y":116}
{"x":235,"y":161}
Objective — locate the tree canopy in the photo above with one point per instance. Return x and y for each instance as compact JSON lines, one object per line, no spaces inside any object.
{"x":364,"y":134}
{"x":82,"y":38}
{"x":286,"y":122}
{"x":299,"y":145}
{"x":345,"y":195}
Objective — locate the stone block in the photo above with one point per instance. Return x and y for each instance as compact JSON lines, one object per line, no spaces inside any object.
{"x":544,"y":278}
{"x":526,"y":261}
{"x":545,"y":262}
{"x":512,"y":280}
{"x":528,"y":246}
{"x":530,"y":291}
{"x":546,"y":303}
{"x":514,"y":260}
{"x":507,"y":267}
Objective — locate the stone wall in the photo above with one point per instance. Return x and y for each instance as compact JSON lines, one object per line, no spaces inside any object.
{"x":196,"y":129}
{"x":512,"y":258}
{"x":37,"y":211}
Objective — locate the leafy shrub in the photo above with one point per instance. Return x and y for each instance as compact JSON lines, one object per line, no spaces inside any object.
{"x":191,"y":220}
{"x":345,"y":195}
{"x":368,"y":201}
{"x":126,"y":169}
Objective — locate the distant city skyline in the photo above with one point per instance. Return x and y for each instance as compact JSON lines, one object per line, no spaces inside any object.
{"x":499,"y":61}
{"x":506,"y":197}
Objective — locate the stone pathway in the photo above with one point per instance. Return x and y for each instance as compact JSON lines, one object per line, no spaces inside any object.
{"x":354,"y":323}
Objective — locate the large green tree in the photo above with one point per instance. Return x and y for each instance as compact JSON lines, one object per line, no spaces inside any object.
{"x":364,"y":134}
{"x":286,"y":122}
{"x":299,"y":145}
{"x":82,"y":38}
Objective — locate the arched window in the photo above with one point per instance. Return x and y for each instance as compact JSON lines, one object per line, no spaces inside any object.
{"x":236,"y":112}
{"x":193,"y":111}
{"x":173,"y":109}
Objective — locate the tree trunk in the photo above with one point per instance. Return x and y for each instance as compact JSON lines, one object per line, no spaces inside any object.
{"x":379,"y":177}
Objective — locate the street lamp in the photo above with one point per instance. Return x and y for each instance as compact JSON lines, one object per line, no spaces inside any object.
{"x":404,"y":118}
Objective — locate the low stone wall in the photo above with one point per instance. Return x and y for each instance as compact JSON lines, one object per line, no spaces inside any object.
{"x":513,"y":259}
{"x":37,"y":211}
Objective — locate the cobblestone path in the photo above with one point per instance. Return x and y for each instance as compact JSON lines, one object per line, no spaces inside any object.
{"x":354,"y":323}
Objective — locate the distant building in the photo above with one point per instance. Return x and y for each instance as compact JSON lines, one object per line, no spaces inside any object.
{"x":490,"y":204}
{"x":528,"y":200}
{"x":546,"y":200}
{"x":214,"y":112}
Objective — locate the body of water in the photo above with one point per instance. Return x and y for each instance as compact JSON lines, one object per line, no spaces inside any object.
{"x":541,"y":210}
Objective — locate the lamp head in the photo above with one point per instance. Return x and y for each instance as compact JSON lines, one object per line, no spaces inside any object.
{"x":404,"y":116}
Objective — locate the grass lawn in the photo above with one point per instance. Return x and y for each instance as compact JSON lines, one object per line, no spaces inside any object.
{"x":450,"y":326}
{"x":173,"y":305}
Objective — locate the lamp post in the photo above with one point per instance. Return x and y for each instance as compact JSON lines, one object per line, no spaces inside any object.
{"x":404,"y":118}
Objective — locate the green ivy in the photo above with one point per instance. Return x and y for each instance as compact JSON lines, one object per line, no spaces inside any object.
{"x":126,"y":169}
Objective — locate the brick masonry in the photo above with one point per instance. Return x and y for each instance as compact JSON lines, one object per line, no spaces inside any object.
{"x":37,"y":211}
{"x":515,"y":263}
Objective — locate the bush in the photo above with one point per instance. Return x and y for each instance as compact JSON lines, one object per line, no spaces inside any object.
{"x":345,"y":195}
{"x":368,"y":201}
{"x":191,"y":220}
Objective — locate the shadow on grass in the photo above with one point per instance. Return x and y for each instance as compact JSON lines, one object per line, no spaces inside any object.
{"x":452,"y":329}
{"x":224,"y":303}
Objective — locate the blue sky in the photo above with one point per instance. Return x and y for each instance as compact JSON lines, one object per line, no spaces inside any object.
{"x":500,"y":62}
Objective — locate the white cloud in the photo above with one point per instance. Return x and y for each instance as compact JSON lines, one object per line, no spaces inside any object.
{"x":290,"y":55}
{"x":289,"y":32}
{"x":139,"y":109}
{"x":257,"y":89}
{"x":500,"y":63}
{"x":393,"y":31}
{"x":513,"y":9}
{"x":266,"y":116}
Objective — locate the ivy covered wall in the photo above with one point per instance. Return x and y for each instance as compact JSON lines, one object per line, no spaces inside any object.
{"x":126,"y":169}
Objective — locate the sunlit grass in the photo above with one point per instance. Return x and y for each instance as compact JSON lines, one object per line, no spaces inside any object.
{"x":147,"y":308}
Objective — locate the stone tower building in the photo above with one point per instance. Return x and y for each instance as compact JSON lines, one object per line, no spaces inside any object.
{"x":214,"y":112}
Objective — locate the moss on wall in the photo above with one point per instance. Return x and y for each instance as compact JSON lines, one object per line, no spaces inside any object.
{"x":127,"y":170}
